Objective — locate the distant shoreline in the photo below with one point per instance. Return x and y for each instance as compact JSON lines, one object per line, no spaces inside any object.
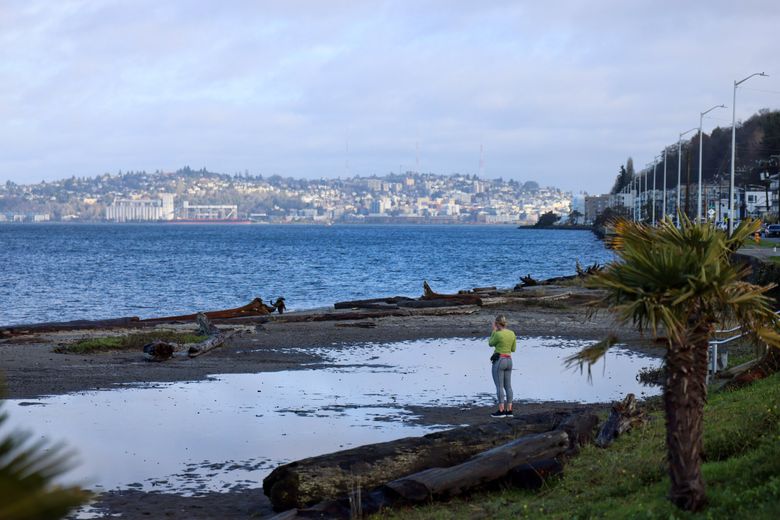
{"x":578,"y":227}
{"x":243,"y":223}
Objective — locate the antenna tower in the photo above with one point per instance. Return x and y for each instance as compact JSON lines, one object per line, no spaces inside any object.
{"x":346,"y":160}
{"x":481,"y":161}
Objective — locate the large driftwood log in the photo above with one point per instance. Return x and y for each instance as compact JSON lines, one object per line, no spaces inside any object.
{"x":478,"y":472}
{"x":35,"y":328}
{"x":485,"y":467}
{"x":254,"y":308}
{"x":463,"y":299}
{"x":309,"y":481}
{"x":623,"y":417}
{"x":360,"y":315}
{"x":372,"y":303}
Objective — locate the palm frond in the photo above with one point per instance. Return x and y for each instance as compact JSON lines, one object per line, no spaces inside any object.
{"x":664,"y":274}
{"x":588,"y":356}
{"x":27,"y":474}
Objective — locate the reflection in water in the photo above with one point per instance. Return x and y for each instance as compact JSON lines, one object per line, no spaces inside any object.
{"x":229,"y":431}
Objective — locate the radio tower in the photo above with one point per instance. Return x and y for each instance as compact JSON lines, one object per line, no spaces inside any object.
{"x":346,"y":159}
{"x":481,"y":162}
{"x":417,"y":155}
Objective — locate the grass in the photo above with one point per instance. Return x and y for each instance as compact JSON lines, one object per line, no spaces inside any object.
{"x":128,"y":342}
{"x":629,"y":480}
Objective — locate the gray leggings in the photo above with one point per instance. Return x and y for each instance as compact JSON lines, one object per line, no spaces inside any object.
{"x":502,"y":377}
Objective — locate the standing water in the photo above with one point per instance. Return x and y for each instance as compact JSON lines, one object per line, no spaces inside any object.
{"x":230,"y":431}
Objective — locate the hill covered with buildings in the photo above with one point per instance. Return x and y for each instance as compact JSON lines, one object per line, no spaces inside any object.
{"x":198,"y":195}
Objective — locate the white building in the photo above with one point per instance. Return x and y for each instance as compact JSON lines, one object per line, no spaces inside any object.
{"x":208,"y":211}
{"x":141,"y":210}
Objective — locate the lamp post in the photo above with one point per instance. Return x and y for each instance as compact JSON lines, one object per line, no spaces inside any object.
{"x":663,"y":213}
{"x":637,"y":202}
{"x":647,"y":174}
{"x":679,"y":172}
{"x":655,"y":164}
{"x":701,"y":145}
{"x":733,"y":146}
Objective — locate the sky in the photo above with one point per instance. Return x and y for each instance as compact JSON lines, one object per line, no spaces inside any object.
{"x":560,"y":92}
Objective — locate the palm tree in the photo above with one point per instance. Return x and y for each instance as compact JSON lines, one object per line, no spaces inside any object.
{"x":26,"y":475}
{"x":681,"y":282}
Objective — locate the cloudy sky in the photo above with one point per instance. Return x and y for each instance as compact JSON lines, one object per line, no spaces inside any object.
{"x":560,"y":92}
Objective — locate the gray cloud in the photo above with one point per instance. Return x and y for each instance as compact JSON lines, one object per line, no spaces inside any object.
{"x":560,"y":92}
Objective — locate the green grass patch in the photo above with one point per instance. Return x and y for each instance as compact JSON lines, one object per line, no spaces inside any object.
{"x":629,"y":479}
{"x":774,"y":259}
{"x":128,"y":342}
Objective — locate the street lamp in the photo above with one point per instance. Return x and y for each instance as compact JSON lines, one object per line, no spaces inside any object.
{"x":679,"y":170}
{"x":648,"y":172}
{"x":733,"y":146}
{"x":701,"y":145}
{"x":637,"y":200}
{"x":664,"y":204}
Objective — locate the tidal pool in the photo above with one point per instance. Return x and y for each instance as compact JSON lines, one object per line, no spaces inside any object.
{"x":229,"y":431}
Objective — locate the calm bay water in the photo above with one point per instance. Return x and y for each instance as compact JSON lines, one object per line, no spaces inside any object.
{"x":56,"y":272}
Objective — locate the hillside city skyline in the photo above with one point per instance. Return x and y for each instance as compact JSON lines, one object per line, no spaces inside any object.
{"x":200,"y":194}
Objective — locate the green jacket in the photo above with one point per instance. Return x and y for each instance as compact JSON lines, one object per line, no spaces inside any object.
{"x":504,"y":341}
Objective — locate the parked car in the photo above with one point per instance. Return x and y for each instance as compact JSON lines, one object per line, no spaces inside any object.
{"x":773,"y":230}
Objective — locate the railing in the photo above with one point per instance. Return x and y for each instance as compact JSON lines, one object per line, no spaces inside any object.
{"x":713,"y":360}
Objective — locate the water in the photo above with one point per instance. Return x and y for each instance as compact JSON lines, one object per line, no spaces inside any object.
{"x":230,"y":431}
{"x":53,"y":272}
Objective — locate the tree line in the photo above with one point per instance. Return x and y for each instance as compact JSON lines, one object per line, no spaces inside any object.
{"x":757,"y":152}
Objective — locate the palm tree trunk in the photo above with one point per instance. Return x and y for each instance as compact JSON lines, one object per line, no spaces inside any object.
{"x":684,"y":397}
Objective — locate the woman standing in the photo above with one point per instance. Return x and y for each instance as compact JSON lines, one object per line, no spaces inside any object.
{"x":504,"y":342}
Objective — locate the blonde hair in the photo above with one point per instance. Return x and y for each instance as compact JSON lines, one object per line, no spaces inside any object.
{"x":501,"y":320}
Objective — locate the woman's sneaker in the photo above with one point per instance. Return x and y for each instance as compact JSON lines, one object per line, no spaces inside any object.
{"x":508,"y":413}
{"x":498,"y":413}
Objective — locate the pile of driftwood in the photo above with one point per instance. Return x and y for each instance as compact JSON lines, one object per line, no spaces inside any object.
{"x":522,"y":451}
{"x":582,"y":272}
{"x":163,"y":350}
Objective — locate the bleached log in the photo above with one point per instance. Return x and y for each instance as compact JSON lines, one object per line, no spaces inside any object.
{"x":309,"y":481}
{"x":479,"y":470}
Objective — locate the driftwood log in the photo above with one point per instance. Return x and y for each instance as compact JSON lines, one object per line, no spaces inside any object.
{"x":35,"y":328}
{"x":582,"y":272}
{"x":254,"y":308}
{"x":623,"y":417}
{"x":161,"y":350}
{"x":360,"y":315}
{"x":461,"y":299}
{"x":309,"y":481}
{"x":478,"y":472}
{"x":373,"y":303}
{"x":489,"y":466}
